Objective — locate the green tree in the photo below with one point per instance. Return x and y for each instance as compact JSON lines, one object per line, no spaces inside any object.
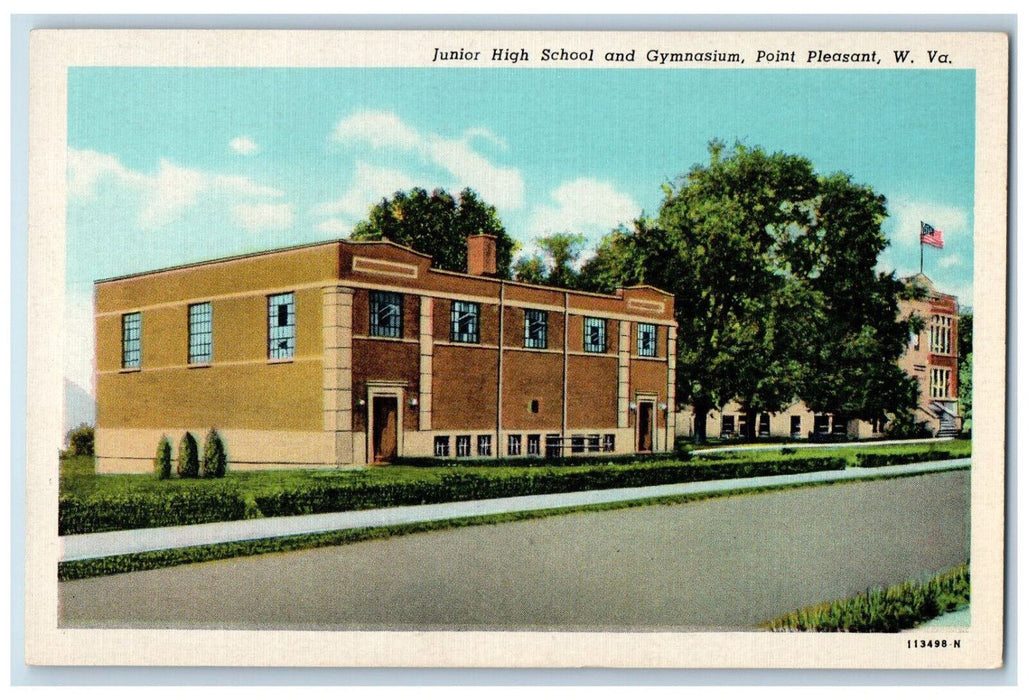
{"x":437,"y":224}
{"x":857,"y":334}
{"x":965,"y":351}
{"x":556,"y":266}
{"x":773,"y":271}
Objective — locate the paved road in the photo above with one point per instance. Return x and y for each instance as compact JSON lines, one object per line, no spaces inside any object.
{"x":726,"y":563}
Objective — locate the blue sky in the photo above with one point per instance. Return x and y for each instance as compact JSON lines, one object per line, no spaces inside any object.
{"x":175,"y":165}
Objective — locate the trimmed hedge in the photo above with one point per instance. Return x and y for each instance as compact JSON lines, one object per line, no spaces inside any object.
{"x":464,"y":486}
{"x":78,"y":515}
{"x":220,"y":503}
{"x":886,"y":459}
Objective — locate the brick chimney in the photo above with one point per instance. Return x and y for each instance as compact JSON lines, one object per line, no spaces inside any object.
{"x":482,"y":255}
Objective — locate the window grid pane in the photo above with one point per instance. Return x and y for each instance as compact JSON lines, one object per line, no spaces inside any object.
{"x":463,"y":445}
{"x":514,"y":445}
{"x":647,"y":340}
{"x":200,"y":333}
{"x":595,"y":335}
{"x":485,"y":445}
{"x":533,"y":445}
{"x":386,"y":315}
{"x":464,"y":322}
{"x":131,"y":339}
{"x":281,"y":326}
{"x":442,"y":446}
{"x":535,"y":328}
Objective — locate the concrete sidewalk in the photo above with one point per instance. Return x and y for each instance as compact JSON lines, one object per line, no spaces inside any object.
{"x":105,"y":544}
{"x":818,"y":446}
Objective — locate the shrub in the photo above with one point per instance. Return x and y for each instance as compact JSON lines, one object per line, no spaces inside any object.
{"x":81,"y":441}
{"x":162,"y":462}
{"x":903,"y":426}
{"x":188,"y":458}
{"x":214,"y":457}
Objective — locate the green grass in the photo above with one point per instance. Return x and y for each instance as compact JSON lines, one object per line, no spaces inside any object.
{"x":147,"y":561}
{"x":899,"y":607}
{"x":78,"y":477}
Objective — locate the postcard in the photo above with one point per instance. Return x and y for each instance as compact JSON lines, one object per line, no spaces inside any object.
{"x":517,"y":349}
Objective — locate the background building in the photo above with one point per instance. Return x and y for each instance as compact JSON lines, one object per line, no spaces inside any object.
{"x":349,"y":353}
{"x":930,"y":357}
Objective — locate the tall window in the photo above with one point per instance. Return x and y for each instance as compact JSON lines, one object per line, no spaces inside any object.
{"x":940,"y":379}
{"x":647,"y":340}
{"x":131,"y":339}
{"x":464,"y":322}
{"x":595,"y":335}
{"x":941,"y":331}
{"x":386,"y":314}
{"x":535,"y":328}
{"x":281,"y":326}
{"x":200,"y":333}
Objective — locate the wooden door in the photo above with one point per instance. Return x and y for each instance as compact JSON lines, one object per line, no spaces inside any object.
{"x":384,"y":428}
{"x":645,"y":426}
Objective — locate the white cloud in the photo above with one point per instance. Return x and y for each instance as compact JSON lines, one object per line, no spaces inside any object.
{"x":370,"y":184}
{"x":243,"y":145}
{"x":584,"y":206}
{"x":171,"y":192}
{"x":263,"y":216}
{"x":165,"y":196}
{"x":951,"y":261}
{"x":379,"y":129}
{"x":906,"y":215}
{"x":502,"y":187}
{"x":335,"y":227}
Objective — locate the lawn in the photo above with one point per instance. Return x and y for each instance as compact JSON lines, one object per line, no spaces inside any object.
{"x":78,"y":477}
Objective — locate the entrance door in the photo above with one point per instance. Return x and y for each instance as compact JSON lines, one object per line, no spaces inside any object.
{"x":645,"y":426}
{"x":384,"y":428}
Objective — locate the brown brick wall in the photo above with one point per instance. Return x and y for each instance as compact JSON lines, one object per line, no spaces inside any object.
{"x":463,"y":388}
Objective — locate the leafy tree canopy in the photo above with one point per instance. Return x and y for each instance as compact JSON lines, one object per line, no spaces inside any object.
{"x":776,"y":293}
{"x":437,"y":224}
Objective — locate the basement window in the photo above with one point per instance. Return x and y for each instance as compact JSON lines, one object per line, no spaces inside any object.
{"x":485,"y":445}
{"x":533,"y":445}
{"x":463,"y":445}
{"x":514,"y":445}
{"x":608,"y":442}
{"x":281,"y":326}
{"x":442,"y":446}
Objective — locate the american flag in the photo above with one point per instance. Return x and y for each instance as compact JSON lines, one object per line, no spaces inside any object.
{"x":931,"y":235}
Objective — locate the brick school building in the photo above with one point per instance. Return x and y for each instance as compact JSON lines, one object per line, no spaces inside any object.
{"x":351,"y":353}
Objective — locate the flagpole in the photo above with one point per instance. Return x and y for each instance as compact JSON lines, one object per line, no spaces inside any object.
{"x":921,"y":239}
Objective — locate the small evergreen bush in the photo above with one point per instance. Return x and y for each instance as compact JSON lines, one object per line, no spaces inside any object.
{"x":81,"y":441}
{"x":188,"y":458}
{"x":162,"y":462}
{"x":214,"y":457}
